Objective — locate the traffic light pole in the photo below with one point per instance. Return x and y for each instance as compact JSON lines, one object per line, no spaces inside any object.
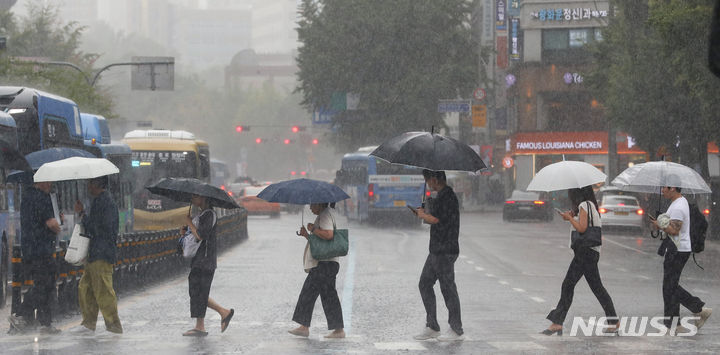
{"x":93,"y":80}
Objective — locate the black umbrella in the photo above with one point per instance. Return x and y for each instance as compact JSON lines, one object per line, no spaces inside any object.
{"x":429,"y":151}
{"x":11,"y":158}
{"x":182,"y":189}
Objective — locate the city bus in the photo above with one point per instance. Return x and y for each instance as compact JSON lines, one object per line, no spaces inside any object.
{"x":157,"y":154}
{"x":378,"y":188}
{"x":219,"y":173}
{"x":9,"y":214}
{"x":95,"y":127}
{"x":43,"y":120}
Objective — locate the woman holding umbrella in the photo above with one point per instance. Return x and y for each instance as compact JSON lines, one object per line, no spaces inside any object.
{"x":320,"y":280}
{"x":203,"y":267}
{"x":584,"y":215}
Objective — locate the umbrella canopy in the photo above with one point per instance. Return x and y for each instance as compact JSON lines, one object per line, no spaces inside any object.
{"x":651,"y":176}
{"x":37,"y":159}
{"x":11,"y":159}
{"x":429,"y":151}
{"x":566,"y":175}
{"x":75,"y":168}
{"x":182,"y":189}
{"x":302,"y":192}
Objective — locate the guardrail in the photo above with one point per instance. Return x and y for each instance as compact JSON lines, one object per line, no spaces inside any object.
{"x":142,"y":257}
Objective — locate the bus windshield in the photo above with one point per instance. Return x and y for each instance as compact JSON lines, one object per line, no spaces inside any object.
{"x":385,"y":168}
{"x":151,"y":166}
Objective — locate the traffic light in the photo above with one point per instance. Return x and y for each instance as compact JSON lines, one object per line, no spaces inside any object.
{"x":287,"y":141}
{"x":241,"y":129}
{"x":315,"y":141}
{"x":296,"y":129}
{"x":258,"y":140}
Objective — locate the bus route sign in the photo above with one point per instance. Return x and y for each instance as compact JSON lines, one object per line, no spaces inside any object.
{"x":445,"y":106}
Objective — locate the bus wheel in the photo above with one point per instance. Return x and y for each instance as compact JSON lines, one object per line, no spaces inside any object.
{"x":4,"y":273}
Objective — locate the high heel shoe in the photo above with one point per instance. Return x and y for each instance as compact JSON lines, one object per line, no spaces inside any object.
{"x":551,"y":332}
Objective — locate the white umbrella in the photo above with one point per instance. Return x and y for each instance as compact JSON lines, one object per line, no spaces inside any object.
{"x":75,"y":168}
{"x":566,"y":175}
{"x":651,"y":176}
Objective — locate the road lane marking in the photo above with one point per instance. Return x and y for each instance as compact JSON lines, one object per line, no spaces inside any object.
{"x":503,"y":282}
{"x":643,"y":277}
{"x":347,"y":299}
{"x":624,"y":246}
{"x":400,"y":346}
{"x":489,"y":275}
{"x":537,"y":299}
{"x":518,"y":289}
{"x":479,"y":268}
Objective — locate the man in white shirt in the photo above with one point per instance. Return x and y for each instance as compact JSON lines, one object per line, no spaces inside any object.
{"x":677,"y":250}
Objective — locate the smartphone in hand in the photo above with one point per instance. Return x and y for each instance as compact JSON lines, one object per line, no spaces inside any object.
{"x":413,"y":209}
{"x":558,"y":210}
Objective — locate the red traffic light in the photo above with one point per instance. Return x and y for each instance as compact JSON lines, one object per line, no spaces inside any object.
{"x":241,"y":129}
{"x":303,"y":173}
{"x":293,"y":173}
{"x":258,"y":140}
{"x":315,"y":141}
{"x":286,"y":141}
{"x":295,"y":129}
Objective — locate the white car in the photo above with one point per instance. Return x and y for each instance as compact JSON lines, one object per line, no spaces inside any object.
{"x":621,"y":211}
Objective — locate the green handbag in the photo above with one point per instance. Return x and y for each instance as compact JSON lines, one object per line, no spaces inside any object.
{"x":322,"y":249}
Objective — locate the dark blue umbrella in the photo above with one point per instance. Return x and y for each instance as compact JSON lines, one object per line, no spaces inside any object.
{"x":37,"y":159}
{"x":302,"y":192}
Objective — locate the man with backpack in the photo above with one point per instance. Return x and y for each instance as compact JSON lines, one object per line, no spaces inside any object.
{"x":677,"y":247}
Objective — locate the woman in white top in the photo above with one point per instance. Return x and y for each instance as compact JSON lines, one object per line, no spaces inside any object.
{"x":320,"y":280}
{"x":585,"y":263}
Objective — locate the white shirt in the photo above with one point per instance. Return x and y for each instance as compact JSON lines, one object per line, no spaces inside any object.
{"x":594,"y":216}
{"x":323,"y":221}
{"x":680,"y":210}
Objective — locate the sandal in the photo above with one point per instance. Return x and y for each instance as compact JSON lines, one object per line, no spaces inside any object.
{"x":225,"y":322}
{"x":195,"y":333}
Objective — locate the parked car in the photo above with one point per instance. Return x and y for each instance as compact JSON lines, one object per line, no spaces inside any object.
{"x":256,"y":206}
{"x":528,"y":205}
{"x":621,"y":211}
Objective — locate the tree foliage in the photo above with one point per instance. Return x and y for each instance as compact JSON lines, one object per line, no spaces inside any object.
{"x":653,"y":79}
{"x":40,"y":36}
{"x":400,"y":57}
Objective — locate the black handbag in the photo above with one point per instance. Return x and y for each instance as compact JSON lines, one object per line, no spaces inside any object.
{"x":592,"y":237}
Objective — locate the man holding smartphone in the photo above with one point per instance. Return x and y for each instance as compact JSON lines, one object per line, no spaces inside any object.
{"x":677,"y":249}
{"x":444,"y":219}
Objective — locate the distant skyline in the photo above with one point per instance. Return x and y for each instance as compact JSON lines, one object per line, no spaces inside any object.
{"x":205,"y":33}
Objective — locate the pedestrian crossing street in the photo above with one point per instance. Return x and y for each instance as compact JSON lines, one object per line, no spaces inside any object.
{"x":143,"y":337}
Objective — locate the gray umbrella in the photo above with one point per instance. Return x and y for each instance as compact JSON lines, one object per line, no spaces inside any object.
{"x":430,"y":151}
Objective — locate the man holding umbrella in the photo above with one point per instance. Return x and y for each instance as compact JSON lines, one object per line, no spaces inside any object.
{"x":444,"y":218}
{"x":95,"y":290}
{"x":677,"y":249}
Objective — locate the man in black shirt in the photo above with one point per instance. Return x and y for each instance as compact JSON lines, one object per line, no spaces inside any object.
{"x":95,"y":290}
{"x":39,"y":228}
{"x":444,"y":220}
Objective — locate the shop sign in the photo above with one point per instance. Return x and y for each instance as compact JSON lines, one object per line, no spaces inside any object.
{"x":589,"y":142}
{"x":573,"y":78}
{"x":578,"y":14}
{"x":514,"y":40}
{"x":500,"y":16}
{"x":508,"y":162}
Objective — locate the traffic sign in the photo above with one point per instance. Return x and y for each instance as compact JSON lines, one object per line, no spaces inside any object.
{"x":479,"y":94}
{"x":508,"y":162}
{"x":479,"y":115}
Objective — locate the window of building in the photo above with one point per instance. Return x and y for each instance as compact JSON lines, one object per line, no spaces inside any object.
{"x":568,"y":45}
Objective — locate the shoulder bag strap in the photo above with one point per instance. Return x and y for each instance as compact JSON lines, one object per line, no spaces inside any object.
{"x":589,"y":212}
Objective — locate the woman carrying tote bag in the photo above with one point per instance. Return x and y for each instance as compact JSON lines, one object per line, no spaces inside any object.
{"x":583,"y":217}
{"x":320,"y":280}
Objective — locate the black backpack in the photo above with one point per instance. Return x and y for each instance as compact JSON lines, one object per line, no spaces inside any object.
{"x":698,"y":228}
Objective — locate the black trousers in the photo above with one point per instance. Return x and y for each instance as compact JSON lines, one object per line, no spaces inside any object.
{"x":320,"y":282}
{"x":440,"y":267}
{"x":585,"y":263}
{"x":673,"y":294}
{"x":42,"y":294}
{"x":199,"y":282}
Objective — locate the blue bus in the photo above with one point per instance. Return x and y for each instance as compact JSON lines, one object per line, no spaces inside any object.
{"x":43,"y":120}
{"x":95,"y":127}
{"x":376,"y":187}
{"x":9,"y":209}
{"x":120,"y":185}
